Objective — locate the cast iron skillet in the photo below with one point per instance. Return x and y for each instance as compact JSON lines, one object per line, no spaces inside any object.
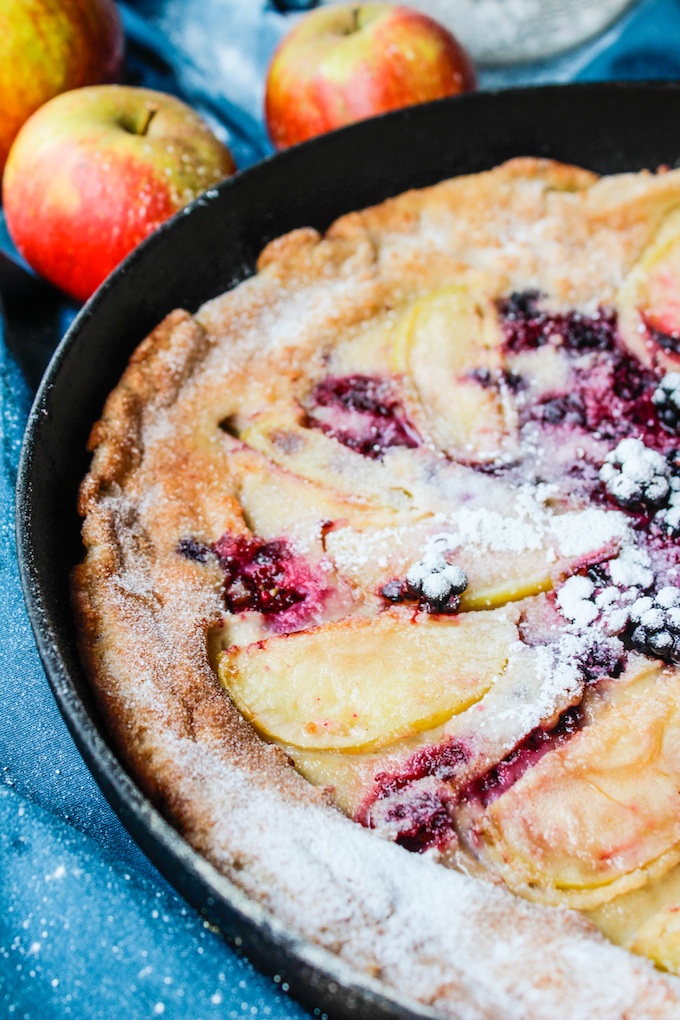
{"x":199,"y":254}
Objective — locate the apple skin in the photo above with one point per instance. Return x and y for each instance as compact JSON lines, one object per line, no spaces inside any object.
{"x":96,"y":170}
{"x":48,"y":47}
{"x":343,"y":64}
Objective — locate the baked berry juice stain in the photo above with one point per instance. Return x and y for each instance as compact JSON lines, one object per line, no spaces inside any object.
{"x":362,"y":413}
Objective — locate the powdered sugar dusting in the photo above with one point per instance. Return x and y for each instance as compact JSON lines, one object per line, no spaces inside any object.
{"x":574,"y":533}
{"x":581,"y":531}
{"x":632,"y":568}
{"x":573,"y":599}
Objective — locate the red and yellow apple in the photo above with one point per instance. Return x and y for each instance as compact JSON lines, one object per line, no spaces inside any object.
{"x":96,"y":170}
{"x":48,"y":47}
{"x":344,"y":63}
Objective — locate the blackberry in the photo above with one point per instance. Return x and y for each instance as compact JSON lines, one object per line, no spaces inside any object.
{"x":362,"y":413}
{"x":635,"y":476}
{"x":436,"y":583}
{"x":605,"y":595}
{"x":579,"y":601}
{"x":527,"y":327}
{"x":193,"y":550}
{"x":655,"y":623}
{"x":669,"y":516}
{"x":431,"y":582}
{"x":666,"y":399}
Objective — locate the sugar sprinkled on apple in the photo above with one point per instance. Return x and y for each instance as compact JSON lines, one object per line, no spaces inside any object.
{"x":96,"y":170}
{"x":344,"y":63}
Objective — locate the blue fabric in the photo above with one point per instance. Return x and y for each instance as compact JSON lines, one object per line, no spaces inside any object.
{"x":88,"y":928}
{"x":649,"y":48}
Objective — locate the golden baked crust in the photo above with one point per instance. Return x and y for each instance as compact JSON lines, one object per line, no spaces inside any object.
{"x":211,"y":404}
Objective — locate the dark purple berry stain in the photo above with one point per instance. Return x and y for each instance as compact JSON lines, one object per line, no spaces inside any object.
{"x":526,"y":327}
{"x":488,"y":787}
{"x":611,"y":396}
{"x":423,"y":822}
{"x":362,"y":413}
{"x":617,"y":394}
{"x":487,"y":379}
{"x":443,"y":761}
{"x":667,"y":341}
{"x":605,"y":660}
{"x":424,"y":818}
{"x":563,"y":409}
{"x":268,"y":578}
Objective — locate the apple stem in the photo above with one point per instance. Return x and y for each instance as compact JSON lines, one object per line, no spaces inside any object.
{"x":355,"y":17}
{"x":151,"y":112}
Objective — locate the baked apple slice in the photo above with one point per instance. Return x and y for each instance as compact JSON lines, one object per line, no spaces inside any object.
{"x":370,"y":557}
{"x":402,"y":478}
{"x":449,"y":349}
{"x":282,"y":437}
{"x":364,"y":682}
{"x":506,"y":556}
{"x":646,"y":920}
{"x":649,"y":301}
{"x":598,"y":816}
{"x":276,"y":502}
{"x":659,"y":938}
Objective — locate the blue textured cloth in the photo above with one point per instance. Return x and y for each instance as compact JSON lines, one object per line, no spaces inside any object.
{"x":88,"y":928}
